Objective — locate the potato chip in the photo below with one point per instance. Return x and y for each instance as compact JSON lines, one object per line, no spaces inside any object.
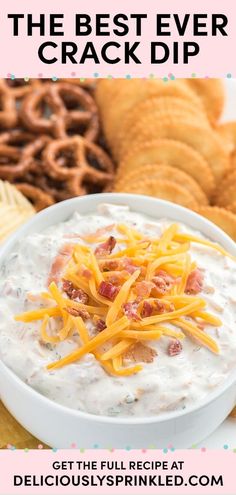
{"x":163,"y":172}
{"x":203,"y":140}
{"x":174,"y":154}
{"x":224,"y":219}
{"x":13,"y":433}
{"x":10,"y":195}
{"x":11,"y":218}
{"x":211,"y":91}
{"x":15,"y":209}
{"x":116,"y":97}
{"x":164,"y":189}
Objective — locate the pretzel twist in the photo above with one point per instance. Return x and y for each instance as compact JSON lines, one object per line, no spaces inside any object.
{"x":78,"y":159}
{"x":19,"y":87}
{"x":8,"y":113}
{"x":70,"y":108}
{"x":40,"y":199}
{"x":41,"y":148}
{"x":15,"y":162}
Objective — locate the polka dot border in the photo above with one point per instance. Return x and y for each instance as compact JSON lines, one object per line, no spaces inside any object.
{"x":165,"y":450}
{"x":169,"y":77}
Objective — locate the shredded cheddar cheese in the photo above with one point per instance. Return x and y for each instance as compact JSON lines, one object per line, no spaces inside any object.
{"x":198,"y":334}
{"x":187,"y":237}
{"x":53,"y":339}
{"x":92,"y":344}
{"x":95,"y":269}
{"x":121,"y":298}
{"x":116,"y":350}
{"x":82,"y":330}
{"x":134,"y":294}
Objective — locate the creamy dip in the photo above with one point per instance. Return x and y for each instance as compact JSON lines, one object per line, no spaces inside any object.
{"x":168,"y":383}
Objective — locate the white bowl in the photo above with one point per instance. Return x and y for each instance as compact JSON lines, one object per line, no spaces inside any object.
{"x":60,"y":426}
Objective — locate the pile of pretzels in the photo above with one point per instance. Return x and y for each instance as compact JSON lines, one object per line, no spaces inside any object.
{"x":51,"y":146}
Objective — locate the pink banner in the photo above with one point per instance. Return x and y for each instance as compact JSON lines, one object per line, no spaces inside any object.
{"x":101,"y":472}
{"x":117,"y":39}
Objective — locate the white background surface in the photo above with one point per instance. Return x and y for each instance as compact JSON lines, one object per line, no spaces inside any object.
{"x":226,"y":433}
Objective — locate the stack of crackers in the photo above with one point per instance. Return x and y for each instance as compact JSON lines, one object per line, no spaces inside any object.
{"x":168,"y":143}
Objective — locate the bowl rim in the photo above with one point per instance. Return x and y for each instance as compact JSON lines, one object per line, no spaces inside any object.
{"x":122,"y":199}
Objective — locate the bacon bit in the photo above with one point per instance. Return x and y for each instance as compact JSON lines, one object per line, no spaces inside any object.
{"x":108,"y":265}
{"x":85,"y":272}
{"x":107,"y":290}
{"x":140,"y":352}
{"x":33,"y":297}
{"x":160,"y":307}
{"x":67,"y":250}
{"x":130,"y":310}
{"x":194,"y":283}
{"x":175,"y":348}
{"x":59,"y":263}
{"x":78,"y":312}
{"x":163,"y":282}
{"x":74,"y":293}
{"x":201,"y":326}
{"x":128,"y":265}
{"x":117,"y":279}
{"x":100,"y":325}
{"x":146,"y":309}
{"x":208,"y":289}
{"x":143,"y":289}
{"x":106,"y":247}
{"x":114,"y":279}
{"x":139,"y":393}
{"x":98,"y":233}
{"x":72,"y":236}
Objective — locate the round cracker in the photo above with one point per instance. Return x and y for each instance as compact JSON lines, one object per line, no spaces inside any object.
{"x":212,"y":93}
{"x":233,"y":161}
{"x":232,"y":207}
{"x":164,"y":189}
{"x":225,"y":193}
{"x":227,"y":132}
{"x":15,"y":209}
{"x":163,"y":108}
{"x":115,"y":98}
{"x":174,"y":154}
{"x":225,"y":219}
{"x":203,"y":140}
{"x":157,"y":119}
{"x":233,"y":413}
{"x":163,"y":172}
{"x":108,"y":90}
{"x":225,"y":198}
{"x":11,"y":218}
